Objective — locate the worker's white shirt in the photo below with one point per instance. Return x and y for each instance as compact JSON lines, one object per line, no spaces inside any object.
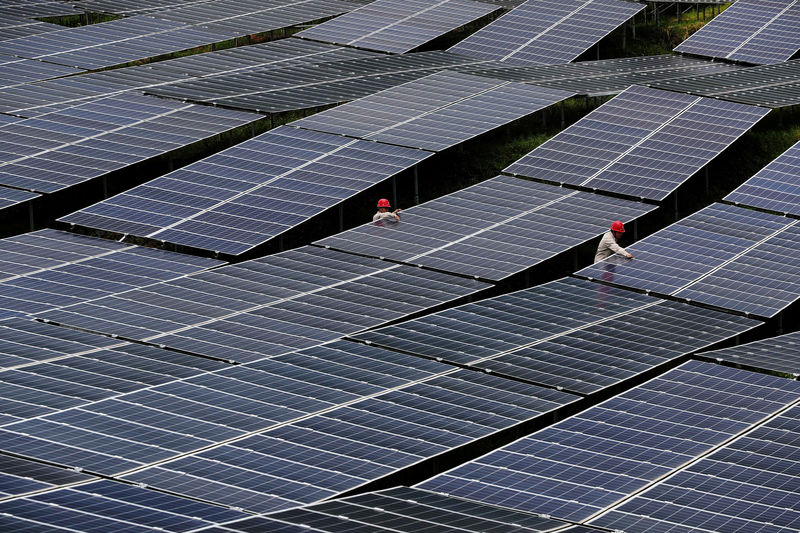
{"x":380,"y":216}
{"x":608,"y":246}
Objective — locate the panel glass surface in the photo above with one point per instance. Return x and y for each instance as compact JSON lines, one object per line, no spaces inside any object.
{"x":491,"y":230}
{"x":776,"y":187}
{"x":775,"y":354}
{"x":242,"y":197}
{"x":759,"y":32}
{"x":269,"y":306}
{"x":751,"y":484}
{"x":589,"y":462}
{"x":397,"y":26}
{"x":547,"y":32}
{"x":643,"y":143}
{"x":341,"y":449}
{"x":19,"y":476}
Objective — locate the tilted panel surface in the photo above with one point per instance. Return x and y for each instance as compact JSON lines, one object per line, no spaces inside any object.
{"x":589,"y":462}
{"x":58,"y":150}
{"x":16,"y":71}
{"x":491,"y":230}
{"x":643,"y":143}
{"x":19,"y":476}
{"x":776,"y":187}
{"x":268,"y":306}
{"x":760,"y":32}
{"x":397,"y":26}
{"x":547,"y":32}
{"x":775,"y":354}
{"x":241,"y":197}
{"x":338,"y":450}
{"x":47,"y":269}
{"x":751,"y":484}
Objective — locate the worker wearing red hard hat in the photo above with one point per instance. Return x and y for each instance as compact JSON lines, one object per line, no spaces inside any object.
{"x":383,"y":211}
{"x":608,"y":244}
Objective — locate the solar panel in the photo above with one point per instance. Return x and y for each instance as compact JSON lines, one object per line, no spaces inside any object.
{"x":14,"y":26}
{"x":749,"y":485}
{"x":111,"y":43}
{"x":242,"y":197}
{"x":20,"y":476}
{"x":12,"y":197}
{"x":589,"y":462}
{"x":189,"y":414}
{"x":776,"y":187}
{"x":38,"y":9}
{"x":602,"y":77}
{"x":48,"y":269}
{"x":16,"y":71}
{"x":59,"y":150}
{"x":132,"y":7}
{"x":340,"y":449}
{"x":759,"y":32}
{"x":773,"y":86}
{"x":301,"y":86}
{"x":491,"y":230}
{"x":397,"y":26}
{"x":248,"y":17}
{"x":643,"y":143}
{"x":403,"y":509}
{"x":105,"y":505}
{"x":547,"y":32}
{"x":268,"y":306}
{"x":725,"y":256}
{"x":435,"y":112}
{"x":775,"y":354}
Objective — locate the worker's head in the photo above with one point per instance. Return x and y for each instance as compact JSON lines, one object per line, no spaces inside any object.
{"x":618,"y":228}
{"x":383,"y":204}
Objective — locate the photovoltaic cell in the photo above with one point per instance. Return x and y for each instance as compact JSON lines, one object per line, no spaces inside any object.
{"x":759,"y":32}
{"x":397,"y":26}
{"x":491,"y":230}
{"x":751,"y":484}
{"x":589,"y":462}
{"x":642,"y":143}
{"x":268,"y":306}
{"x":242,"y":197}
{"x":436,"y":112}
{"x":49,"y":268}
{"x":547,"y":32}
{"x":775,"y":354}
{"x":332,"y":452}
{"x":55,"y":151}
{"x":110,"y":506}
{"x":776,"y":187}
{"x":404,"y":509}
{"x":725,"y":256}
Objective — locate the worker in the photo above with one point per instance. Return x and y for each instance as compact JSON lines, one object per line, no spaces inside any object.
{"x":608,"y":244}
{"x":383,"y":211}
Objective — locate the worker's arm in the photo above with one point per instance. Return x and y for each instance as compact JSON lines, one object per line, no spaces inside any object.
{"x":395,"y":213}
{"x":611,"y":242}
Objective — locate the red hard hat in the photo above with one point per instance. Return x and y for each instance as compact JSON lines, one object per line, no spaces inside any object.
{"x":617,"y":226}
{"x":383,"y":202}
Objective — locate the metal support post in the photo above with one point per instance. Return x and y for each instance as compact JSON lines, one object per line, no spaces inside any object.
{"x":341,"y":217}
{"x":416,"y":185}
{"x":30,"y":215}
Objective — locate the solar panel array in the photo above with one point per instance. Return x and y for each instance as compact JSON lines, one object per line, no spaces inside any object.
{"x":435,"y":112}
{"x":568,"y":334}
{"x":759,"y":32}
{"x":15,"y":26}
{"x":19,"y":476}
{"x":242,"y":197}
{"x":132,"y":7}
{"x":111,"y":43}
{"x":775,"y":354}
{"x":402,"y":509}
{"x":50,"y":153}
{"x":15,"y":71}
{"x":11,"y":197}
{"x":776,"y":187}
{"x":749,"y":485}
{"x":302,"y":86}
{"x":398,"y":26}
{"x":773,"y":86}
{"x":52,"y":95}
{"x":591,"y":461}
{"x":340,"y":449}
{"x":491,"y":230}
{"x":725,"y":256}
{"x":47,"y":269}
{"x":547,"y":32}
{"x":245,"y":17}
{"x":643,"y":143}
{"x":268,"y":306}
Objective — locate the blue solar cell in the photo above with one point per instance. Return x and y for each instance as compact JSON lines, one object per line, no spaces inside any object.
{"x":776,"y":187}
